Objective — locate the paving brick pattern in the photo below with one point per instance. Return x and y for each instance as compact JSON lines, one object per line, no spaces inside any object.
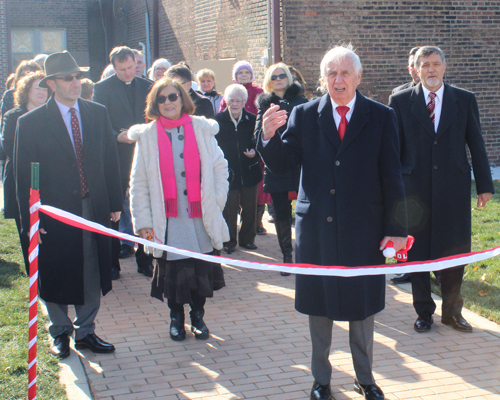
{"x":260,"y":349}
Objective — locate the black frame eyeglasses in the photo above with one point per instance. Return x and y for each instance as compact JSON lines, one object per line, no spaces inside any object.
{"x":69,"y":78}
{"x":171,"y":97}
{"x":281,"y":76}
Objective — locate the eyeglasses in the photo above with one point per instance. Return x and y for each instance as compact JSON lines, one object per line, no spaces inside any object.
{"x":233,"y":101}
{"x":281,"y":76}
{"x":69,"y":78}
{"x":171,"y":97}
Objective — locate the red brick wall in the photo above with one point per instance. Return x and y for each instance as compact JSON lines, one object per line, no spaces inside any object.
{"x":384,"y":31}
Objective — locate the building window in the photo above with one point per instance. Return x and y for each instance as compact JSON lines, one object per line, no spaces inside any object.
{"x":27,"y":43}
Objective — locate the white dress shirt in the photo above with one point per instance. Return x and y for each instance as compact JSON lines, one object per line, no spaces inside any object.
{"x":438,"y":100}
{"x":336,"y":115}
{"x":66,"y":114}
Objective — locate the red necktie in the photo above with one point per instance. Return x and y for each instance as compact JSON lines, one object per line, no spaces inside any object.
{"x":342,"y":110}
{"x":431,"y":106}
{"x":77,"y":138}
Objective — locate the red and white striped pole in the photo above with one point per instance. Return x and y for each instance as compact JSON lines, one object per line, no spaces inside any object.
{"x":33,"y":257}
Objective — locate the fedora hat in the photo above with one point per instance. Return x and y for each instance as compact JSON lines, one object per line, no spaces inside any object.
{"x":60,"y":64}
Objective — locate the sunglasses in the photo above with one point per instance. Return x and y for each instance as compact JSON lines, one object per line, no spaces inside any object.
{"x":69,"y":78}
{"x":171,"y":97}
{"x":281,"y":76}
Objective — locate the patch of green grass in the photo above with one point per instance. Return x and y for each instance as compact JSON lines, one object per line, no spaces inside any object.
{"x":14,"y":302}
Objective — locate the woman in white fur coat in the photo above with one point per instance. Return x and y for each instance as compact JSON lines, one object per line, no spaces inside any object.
{"x":178,"y":189}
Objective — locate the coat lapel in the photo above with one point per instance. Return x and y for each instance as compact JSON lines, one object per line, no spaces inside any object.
{"x":326,"y":122}
{"x":358,"y":120}
{"x":57,"y":127}
{"x":449,"y":110}
{"x":87,"y":136}
{"x":419,"y":109}
{"x":122,"y":95}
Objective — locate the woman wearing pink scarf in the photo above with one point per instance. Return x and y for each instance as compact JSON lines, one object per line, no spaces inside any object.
{"x":178,"y":190}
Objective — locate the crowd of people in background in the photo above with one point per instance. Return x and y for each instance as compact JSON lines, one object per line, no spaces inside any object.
{"x":185,"y":165}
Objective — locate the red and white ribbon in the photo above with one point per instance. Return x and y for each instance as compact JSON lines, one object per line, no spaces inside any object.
{"x":33,"y":311}
{"x":304,"y":269}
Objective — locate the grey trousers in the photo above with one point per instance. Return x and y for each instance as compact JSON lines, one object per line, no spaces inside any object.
{"x":85,"y":314}
{"x":360,"y":341}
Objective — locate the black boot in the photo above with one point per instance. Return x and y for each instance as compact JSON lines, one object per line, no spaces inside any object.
{"x":177,"y":331}
{"x":284,"y":232}
{"x":260,"y":212}
{"x":198,"y":326}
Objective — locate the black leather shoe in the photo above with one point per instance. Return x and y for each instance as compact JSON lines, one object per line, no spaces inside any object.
{"x":229,"y":249}
{"x":285,"y":273}
{"x":457,"y":322}
{"x":198,"y":326}
{"x":404,"y":278}
{"x":177,"y":331}
{"x":261,"y":231}
{"x":321,"y":392}
{"x":94,"y":343}
{"x":126,"y":251}
{"x":423,"y":324}
{"x":115,"y":273}
{"x":146,"y":270}
{"x":60,"y":347}
{"x":249,"y":246}
{"x":370,"y":392}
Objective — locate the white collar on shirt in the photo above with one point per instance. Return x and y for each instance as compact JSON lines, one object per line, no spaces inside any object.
{"x":65,"y":109}
{"x":336,"y":115}
{"x":439,"y":93}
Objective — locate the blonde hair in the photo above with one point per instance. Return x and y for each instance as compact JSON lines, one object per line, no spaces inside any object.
{"x":267,"y":79}
{"x":205,"y":72}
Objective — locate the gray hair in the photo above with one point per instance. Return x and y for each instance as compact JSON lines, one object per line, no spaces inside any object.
{"x":161,"y":62}
{"x":339,"y":54}
{"x":426,"y":51}
{"x":236,"y":88}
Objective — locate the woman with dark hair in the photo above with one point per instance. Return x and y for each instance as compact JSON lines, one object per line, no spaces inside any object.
{"x":236,"y":141}
{"x":27,"y":97}
{"x":280,"y":89}
{"x":178,"y":189}
{"x":24,"y":68}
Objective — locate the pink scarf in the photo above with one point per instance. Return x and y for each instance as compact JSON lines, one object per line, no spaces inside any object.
{"x":192,"y":166}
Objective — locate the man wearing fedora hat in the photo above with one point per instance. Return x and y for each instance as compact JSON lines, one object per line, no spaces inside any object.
{"x":72,"y":141}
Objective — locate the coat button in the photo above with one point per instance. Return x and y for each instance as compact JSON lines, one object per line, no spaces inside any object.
{"x":185,"y":192}
{"x":329,"y":219}
{"x":435,"y":142}
{"x":181,"y":155}
{"x":75,"y":192}
{"x":183,"y":174}
{"x":435,"y":167}
{"x":332,"y":191}
{"x":337,"y":163}
{"x":181,"y":137}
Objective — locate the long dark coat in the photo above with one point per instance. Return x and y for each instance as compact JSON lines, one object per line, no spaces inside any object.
{"x":294,"y":95}
{"x":202,"y":106}
{"x":351,"y":195}
{"x":436,"y":172}
{"x":247,"y":171}
{"x":111,"y":93}
{"x":11,"y":210}
{"x":43,"y":137}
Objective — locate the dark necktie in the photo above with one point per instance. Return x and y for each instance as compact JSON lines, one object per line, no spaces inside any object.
{"x":431,"y":106}
{"x":342,"y":110}
{"x":77,"y":138}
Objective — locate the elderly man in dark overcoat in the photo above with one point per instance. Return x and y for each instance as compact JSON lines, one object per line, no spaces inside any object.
{"x":436,"y":123}
{"x":72,"y":141}
{"x":350,"y":203}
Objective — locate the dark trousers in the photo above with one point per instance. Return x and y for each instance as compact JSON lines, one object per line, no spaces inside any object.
{"x":197,"y":304}
{"x":141,"y":258}
{"x":25,"y":244}
{"x":246,"y":199}
{"x":282,"y":206}
{"x":451,"y":283}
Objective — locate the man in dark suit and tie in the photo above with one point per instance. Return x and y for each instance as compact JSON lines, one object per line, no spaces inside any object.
{"x":436,"y":123}
{"x":72,"y":141}
{"x":350,"y":203}
{"x":124,"y":95}
{"x":411,"y":70}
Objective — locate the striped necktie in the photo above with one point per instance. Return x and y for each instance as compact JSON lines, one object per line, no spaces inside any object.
{"x":431,"y":106}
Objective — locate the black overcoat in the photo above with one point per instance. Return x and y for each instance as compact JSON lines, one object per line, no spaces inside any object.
{"x":43,"y":137}
{"x":111,"y":93}
{"x":11,"y":210}
{"x":202,"y":106}
{"x":294,"y":95}
{"x":247,"y":171}
{"x":436,"y":172}
{"x":351,"y":195}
